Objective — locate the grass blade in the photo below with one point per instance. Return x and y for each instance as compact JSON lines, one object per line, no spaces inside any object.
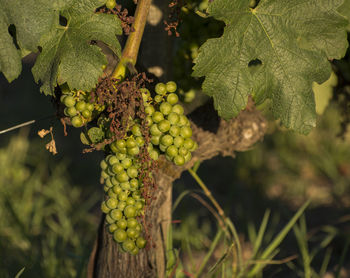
{"x":210,"y":252}
{"x":278,"y":239}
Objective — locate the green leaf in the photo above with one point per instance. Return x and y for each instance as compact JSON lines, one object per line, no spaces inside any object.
{"x":68,"y":56}
{"x":20,"y":272}
{"x":30,"y":19}
{"x":345,"y":10}
{"x":273,"y":51}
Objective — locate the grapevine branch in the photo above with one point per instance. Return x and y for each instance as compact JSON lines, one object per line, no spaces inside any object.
{"x":132,"y":46}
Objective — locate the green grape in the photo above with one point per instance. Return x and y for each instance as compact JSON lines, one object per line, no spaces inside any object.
{"x":112,"y":228}
{"x":149,"y":110}
{"x":139,"y":205}
{"x":69,"y":101}
{"x":183,"y":121}
{"x":114,"y":181}
{"x":162,"y":147}
{"x":130,"y":201}
{"x":109,"y":172}
{"x":186,"y":132}
{"x":165,"y":108}
{"x":77,"y":121}
{"x":125,"y":185}
{"x":136,"y":195}
{"x":158,"y":99}
{"x":134,"y":151}
{"x":134,"y":251}
{"x":80,"y":105}
{"x":128,"y":245}
{"x":70,"y":111}
{"x":90,"y":106}
{"x":155,"y":140}
{"x":160,"y":89}
{"x":130,"y":211}
{"x":121,"y":156}
{"x":117,"y":168}
{"x":173,"y":99}
{"x":183,"y":151}
{"x":104,"y":207}
{"x":120,"y":144}
{"x":179,"y":160}
{"x":105,"y":188}
{"x":190,"y":96}
{"x":121,"y":205}
{"x":122,"y":224}
{"x":140,"y":141}
{"x":132,"y":222}
{"x":172,"y":151}
{"x":104,"y":175}
{"x":171,"y":86}
{"x":120,"y":235}
{"x":86,"y":113}
{"x":154,"y":130}
{"x":154,"y":154}
{"x":116,"y":214}
{"x":136,"y":130}
{"x":122,"y":196}
{"x":157,"y":117}
{"x":177,"y":108}
{"x":108,"y":182}
{"x":114,"y":148}
{"x":195,"y":146}
{"x":173,"y":118}
{"x":103,"y":165}
{"x":122,"y":177}
{"x":149,"y":121}
{"x":134,"y":184}
{"x":126,"y":162}
{"x":110,"y":4}
{"x":112,"y":203}
{"x":131,"y":143}
{"x":167,"y":140}
{"x":113,"y":160}
{"x":141,"y":242}
{"x":164,"y":125}
{"x":188,"y":143}
{"x":174,"y":131}
{"x":109,"y":219}
{"x":132,"y":172}
{"x":138,"y":227}
{"x":132,"y":233}
{"x":62,"y":98}
{"x":117,"y":189}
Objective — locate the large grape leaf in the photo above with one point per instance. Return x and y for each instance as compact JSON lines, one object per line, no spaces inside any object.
{"x":30,"y":20}
{"x":276,"y":51}
{"x":68,"y":56}
{"x":345,"y":10}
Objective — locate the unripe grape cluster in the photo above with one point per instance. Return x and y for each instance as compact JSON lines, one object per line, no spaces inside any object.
{"x":123,"y":185}
{"x":77,"y":107}
{"x":157,"y":126}
{"x":169,"y":128}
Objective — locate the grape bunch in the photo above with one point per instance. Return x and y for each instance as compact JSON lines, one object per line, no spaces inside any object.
{"x":169,"y":128}
{"x":78,"y":107}
{"x":123,"y":185}
{"x":158,"y":126}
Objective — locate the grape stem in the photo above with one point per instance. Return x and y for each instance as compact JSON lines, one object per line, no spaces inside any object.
{"x":131,"y":49}
{"x":226,"y":220}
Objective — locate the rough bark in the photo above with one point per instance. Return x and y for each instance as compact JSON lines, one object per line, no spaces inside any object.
{"x":214,"y":137}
